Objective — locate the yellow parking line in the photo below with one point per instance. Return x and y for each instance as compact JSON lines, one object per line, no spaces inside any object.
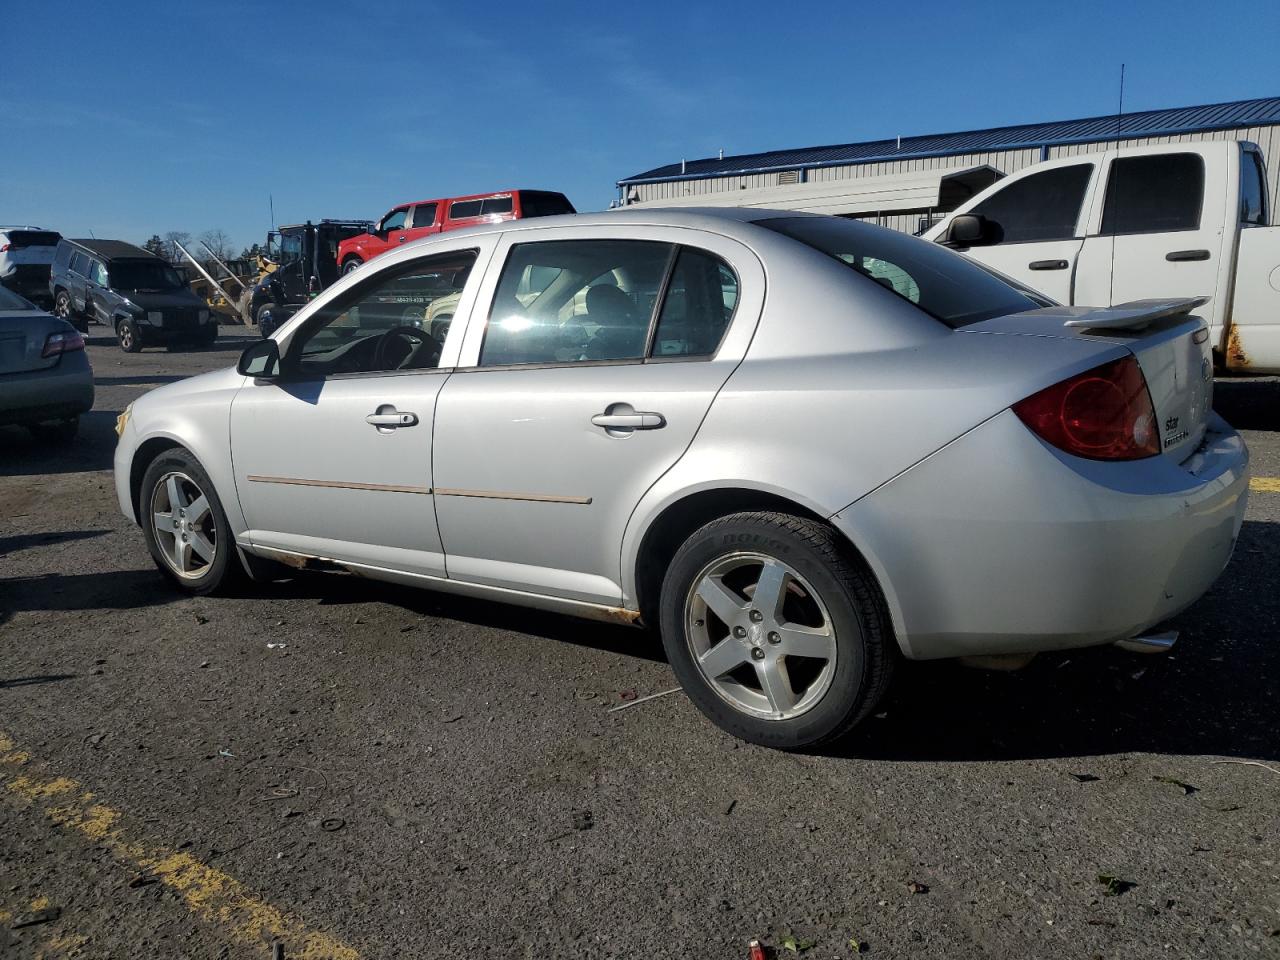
{"x":215,"y":897}
{"x":1265,"y":484}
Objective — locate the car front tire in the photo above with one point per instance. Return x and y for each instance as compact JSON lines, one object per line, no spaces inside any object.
{"x":184,"y":524}
{"x":129,"y":335}
{"x":62,"y":308}
{"x":776,"y":630}
{"x":351,"y":266}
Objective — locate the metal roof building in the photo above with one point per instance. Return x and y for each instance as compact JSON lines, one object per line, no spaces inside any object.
{"x":904,"y":181}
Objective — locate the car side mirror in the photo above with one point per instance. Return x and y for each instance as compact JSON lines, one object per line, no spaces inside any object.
{"x":969,"y":230}
{"x":260,"y":361}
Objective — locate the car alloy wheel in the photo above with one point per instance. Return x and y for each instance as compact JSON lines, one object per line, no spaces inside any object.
{"x":760,"y":635}
{"x":62,"y":306}
{"x":183,"y":524}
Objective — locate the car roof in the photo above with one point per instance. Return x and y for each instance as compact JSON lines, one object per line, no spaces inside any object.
{"x":479,"y":196}
{"x":714,"y":219}
{"x":114,"y":249}
{"x":24,"y":226}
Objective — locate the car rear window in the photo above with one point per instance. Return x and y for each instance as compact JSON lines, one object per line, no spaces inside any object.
{"x":538,"y":203}
{"x":462,"y":210}
{"x":945,"y":285}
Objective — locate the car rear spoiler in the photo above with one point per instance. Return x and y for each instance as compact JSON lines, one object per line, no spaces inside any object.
{"x":1134,"y":315}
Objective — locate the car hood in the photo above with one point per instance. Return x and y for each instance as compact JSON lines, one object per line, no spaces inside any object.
{"x":160,"y":301}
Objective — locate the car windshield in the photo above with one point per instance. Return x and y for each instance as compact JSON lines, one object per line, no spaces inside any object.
{"x":11,"y":301}
{"x":144,"y":275}
{"x":945,"y":285}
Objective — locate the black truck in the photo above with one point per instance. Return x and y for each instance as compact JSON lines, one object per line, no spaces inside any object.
{"x":307,"y":258}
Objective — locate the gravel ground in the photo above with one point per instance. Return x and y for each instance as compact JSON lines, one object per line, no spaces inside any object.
{"x":348,"y":766}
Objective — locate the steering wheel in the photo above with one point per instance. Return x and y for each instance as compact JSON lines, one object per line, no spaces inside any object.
{"x":404,"y":348}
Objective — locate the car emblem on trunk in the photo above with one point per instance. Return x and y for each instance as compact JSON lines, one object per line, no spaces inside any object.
{"x":1171,"y":423}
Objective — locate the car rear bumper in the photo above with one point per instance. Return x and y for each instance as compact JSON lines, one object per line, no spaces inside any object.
{"x":62,"y":391}
{"x":998,"y":543}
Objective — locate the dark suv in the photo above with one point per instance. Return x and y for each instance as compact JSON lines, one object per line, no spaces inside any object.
{"x":142,"y":297}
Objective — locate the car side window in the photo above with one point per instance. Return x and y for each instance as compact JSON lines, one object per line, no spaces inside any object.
{"x":464,"y":209}
{"x":98,"y":273}
{"x":79,"y":264}
{"x":394,"y":220}
{"x":699,"y":303}
{"x":575,"y":300}
{"x":1253,"y":189}
{"x":1161,"y":193}
{"x":495,"y":205}
{"x":1042,"y":206}
{"x":424,"y":215}
{"x":396,"y":320}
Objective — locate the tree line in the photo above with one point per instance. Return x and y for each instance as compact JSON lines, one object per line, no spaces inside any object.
{"x":166,"y":246}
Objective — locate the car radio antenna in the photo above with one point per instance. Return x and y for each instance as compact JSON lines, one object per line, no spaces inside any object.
{"x":271,"y":204}
{"x":1111,"y":290}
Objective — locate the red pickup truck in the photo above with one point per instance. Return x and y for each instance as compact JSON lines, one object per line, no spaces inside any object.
{"x":409,"y":221}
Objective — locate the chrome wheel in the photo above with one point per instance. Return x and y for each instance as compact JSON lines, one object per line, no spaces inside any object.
{"x":126,"y":337}
{"x":62,"y":306}
{"x":182,"y":521}
{"x":760,"y":635}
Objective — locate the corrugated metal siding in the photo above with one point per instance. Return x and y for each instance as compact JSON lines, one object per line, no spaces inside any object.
{"x":1178,"y":120}
{"x":1007,"y":161}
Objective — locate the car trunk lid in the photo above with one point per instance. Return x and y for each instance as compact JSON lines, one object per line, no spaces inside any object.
{"x":22,"y":339}
{"x":1170,"y":343}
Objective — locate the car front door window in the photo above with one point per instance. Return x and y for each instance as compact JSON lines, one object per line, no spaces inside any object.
{"x":394,"y":221}
{"x":396,"y":320}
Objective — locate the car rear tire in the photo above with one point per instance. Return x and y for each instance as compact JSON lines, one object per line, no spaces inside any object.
{"x":185,"y":527}
{"x":799,"y":666}
{"x":352,"y":265}
{"x":55,"y":431}
{"x":129,"y":336}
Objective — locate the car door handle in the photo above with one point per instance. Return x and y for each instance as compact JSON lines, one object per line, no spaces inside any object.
{"x":1176,"y":256}
{"x":1047,"y":265}
{"x":629,"y":421}
{"x":392,"y":419}
{"x":403,"y":238}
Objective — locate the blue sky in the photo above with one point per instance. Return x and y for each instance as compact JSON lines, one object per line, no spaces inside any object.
{"x":127,"y":119}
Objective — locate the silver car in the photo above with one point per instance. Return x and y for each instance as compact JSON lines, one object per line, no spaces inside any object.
{"x":798,"y":446}
{"x":45,"y":378}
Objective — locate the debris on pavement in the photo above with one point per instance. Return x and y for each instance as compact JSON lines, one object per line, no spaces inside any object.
{"x":583,"y":820}
{"x":796,"y":945}
{"x":729,"y":807}
{"x":453,"y":718}
{"x":917,"y":888}
{"x":276,"y":646}
{"x":332,"y":824}
{"x":143,"y":880}
{"x":1084,"y":777}
{"x":755,"y":951}
{"x":1187,"y":789}
{"x":652,"y":696}
{"x":1251,"y":763}
{"x":47,"y":915}
{"x":1115,"y":886}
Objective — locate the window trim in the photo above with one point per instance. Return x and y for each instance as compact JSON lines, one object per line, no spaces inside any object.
{"x":659,"y":302}
{"x":1106,"y":191}
{"x":290,"y":358}
{"x":1253,"y":156}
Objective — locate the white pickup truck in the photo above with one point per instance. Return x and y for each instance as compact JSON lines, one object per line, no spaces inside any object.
{"x":1175,"y":220}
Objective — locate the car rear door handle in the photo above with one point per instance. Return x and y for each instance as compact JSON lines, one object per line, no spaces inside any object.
{"x":1047,"y":265}
{"x":1176,"y":256}
{"x":629,"y":421}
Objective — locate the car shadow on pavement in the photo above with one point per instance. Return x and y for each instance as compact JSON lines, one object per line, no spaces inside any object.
{"x":93,"y":448}
{"x":91,"y":592}
{"x":140,"y":380}
{"x":35,"y":680}
{"x":1213,"y":694}
{"x":342,"y":589}
{"x":1248,"y":403}
{"x":24,"y":540}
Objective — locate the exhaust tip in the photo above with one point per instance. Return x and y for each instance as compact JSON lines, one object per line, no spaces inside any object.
{"x":1151,"y":643}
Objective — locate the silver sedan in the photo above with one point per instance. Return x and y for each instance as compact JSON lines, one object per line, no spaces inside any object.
{"x":45,"y":378}
{"x":800,"y":447}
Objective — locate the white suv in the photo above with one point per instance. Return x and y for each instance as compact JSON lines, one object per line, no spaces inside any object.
{"x":25,"y":256}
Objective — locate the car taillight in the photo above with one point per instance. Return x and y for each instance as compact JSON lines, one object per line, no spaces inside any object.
{"x":5,"y":246}
{"x":59,"y":343}
{"x":1102,"y":414}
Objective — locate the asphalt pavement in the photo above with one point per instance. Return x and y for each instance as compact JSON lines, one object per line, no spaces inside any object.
{"x":347,"y":769}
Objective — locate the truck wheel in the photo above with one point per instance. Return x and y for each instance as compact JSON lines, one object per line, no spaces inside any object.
{"x":352,"y":265}
{"x":775,"y":630}
{"x":130,"y":338}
